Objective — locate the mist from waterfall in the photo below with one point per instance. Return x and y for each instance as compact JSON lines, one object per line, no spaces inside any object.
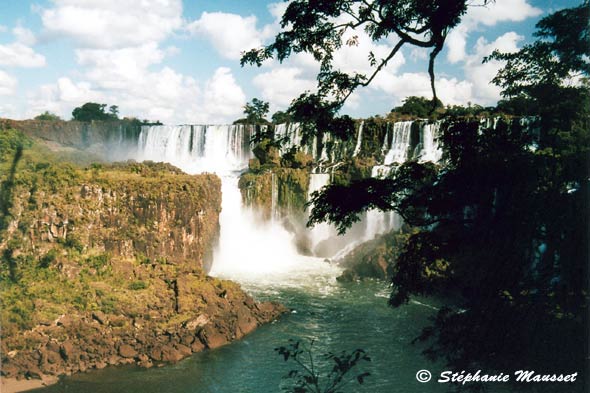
{"x":258,"y":251}
{"x":249,"y":251}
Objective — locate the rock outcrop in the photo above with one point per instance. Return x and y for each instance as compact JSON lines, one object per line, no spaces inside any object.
{"x":107,"y":264}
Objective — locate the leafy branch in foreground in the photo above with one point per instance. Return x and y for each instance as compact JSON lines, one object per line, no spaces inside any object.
{"x":322,"y":28}
{"x":307,"y":377}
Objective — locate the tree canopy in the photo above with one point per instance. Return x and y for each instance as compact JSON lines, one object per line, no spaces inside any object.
{"x":319,"y":28}
{"x":502,"y":227}
{"x":256,"y":111}
{"x":417,"y":106}
{"x":47,"y":116}
{"x":94,"y":111}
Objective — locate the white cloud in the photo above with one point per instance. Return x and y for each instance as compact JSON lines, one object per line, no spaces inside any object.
{"x":24,"y":36}
{"x":19,"y":55}
{"x":222,"y":98}
{"x":501,"y":11}
{"x":7,"y":83}
{"x":398,"y":87}
{"x":112,"y":23}
{"x":230,"y":34}
{"x":165,"y":95}
{"x":488,"y":15}
{"x":355,"y":58}
{"x":281,"y":84}
{"x":119,"y":68}
{"x":480,"y":75}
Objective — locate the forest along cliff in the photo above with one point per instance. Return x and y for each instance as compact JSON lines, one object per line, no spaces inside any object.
{"x":106,"y":264}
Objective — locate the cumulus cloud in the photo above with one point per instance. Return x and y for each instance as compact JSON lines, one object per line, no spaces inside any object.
{"x":164,"y":95}
{"x":230,"y":34}
{"x":24,"y":36}
{"x":223,"y":98}
{"x":7,"y":83}
{"x":120,"y":51}
{"x":280,"y":85}
{"x":488,"y":15}
{"x":480,"y":75}
{"x":20,"y":55}
{"x":119,"y":68}
{"x":109,"y":24}
{"x":398,"y":87}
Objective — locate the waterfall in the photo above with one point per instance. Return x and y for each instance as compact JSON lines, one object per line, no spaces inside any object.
{"x":249,"y":248}
{"x":274,"y":197}
{"x":430,"y":149}
{"x":379,"y":222}
{"x":400,"y":143}
{"x":322,"y":231}
{"x":248,"y":251}
{"x":359,"y":139}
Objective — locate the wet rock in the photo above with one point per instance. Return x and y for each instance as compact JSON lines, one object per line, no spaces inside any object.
{"x":127,"y":351}
{"x":184,"y":350}
{"x":197,"y":346}
{"x":67,"y":351}
{"x":212,"y":337}
{"x":171,"y":354}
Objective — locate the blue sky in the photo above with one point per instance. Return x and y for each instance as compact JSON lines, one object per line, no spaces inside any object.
{"x":178,"y":61}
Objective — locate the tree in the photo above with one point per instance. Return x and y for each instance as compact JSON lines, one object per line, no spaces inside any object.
{"x":503,"y":227}
{"x":280,"y":117}
{"x":320,"y":28}
{"x":256,"y":111}
{"x":114,"y":111}
{"x":93,"y":111}
{"x":47,"y":116}
{"x":417,"y":106}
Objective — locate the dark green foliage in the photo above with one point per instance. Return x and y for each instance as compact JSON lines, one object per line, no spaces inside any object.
{"x":318,"y":28}
{"x":48,"y":116}
{"x":280,"y":117}
{"x":503,"y":225}
{"x":307,"y":377}
{"x":473,"y":110}
{"x":562,"y":50}
{"x":12,"y":144}
{"x":420,"y":107}
{"x":256,"y":111}
{"x":93,"y":111}
{"x":47,"y":259}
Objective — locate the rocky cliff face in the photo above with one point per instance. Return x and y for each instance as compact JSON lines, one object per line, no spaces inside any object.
{"x":106,"y":265}
{"x":152,"y":210}
{"x":75,"y":133}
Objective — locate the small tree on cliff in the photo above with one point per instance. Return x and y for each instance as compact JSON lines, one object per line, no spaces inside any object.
{"x":256,"y":111}
{"x":48,"y":116}
{"x":93,"y":111}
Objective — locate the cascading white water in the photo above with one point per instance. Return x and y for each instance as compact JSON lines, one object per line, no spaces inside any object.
{"x":430,"y":149}
{"x":359,"y":140}
{"x":250,"y":252}
{"x":379,"y":222}
{"x":400,"y":143}
{"x":265,"y":252}
{"x":323,"y":231}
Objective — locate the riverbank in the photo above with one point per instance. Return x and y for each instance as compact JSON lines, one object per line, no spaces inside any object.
{"x":13,"y":385}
